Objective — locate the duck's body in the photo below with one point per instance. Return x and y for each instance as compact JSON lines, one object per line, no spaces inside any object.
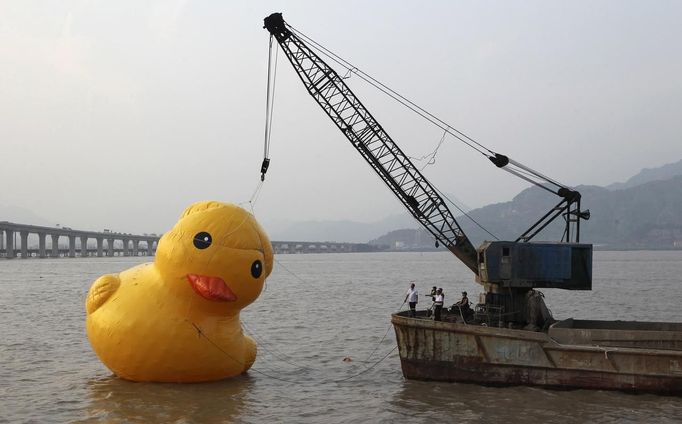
{"x":174,"y":320}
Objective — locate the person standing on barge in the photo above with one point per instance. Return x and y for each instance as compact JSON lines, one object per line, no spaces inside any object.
{"x":438,"y":305}
{"x":412,"y":297}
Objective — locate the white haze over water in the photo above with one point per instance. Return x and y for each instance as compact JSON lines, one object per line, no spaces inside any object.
{"x":119,"y":114}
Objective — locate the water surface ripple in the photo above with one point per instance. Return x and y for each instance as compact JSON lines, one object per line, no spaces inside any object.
{"x":315,"y":311}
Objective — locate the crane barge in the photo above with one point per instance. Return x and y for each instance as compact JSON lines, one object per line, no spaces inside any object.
{"x":507,"y":339}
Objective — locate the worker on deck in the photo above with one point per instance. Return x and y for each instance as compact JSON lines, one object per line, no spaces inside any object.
{"x":464,"y":303}
{"x":438,"y":305}
{"x":429,"y":311}
{"x":463,"y":308}
{"x":412,"y":297}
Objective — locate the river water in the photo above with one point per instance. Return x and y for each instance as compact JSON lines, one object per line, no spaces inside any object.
{"x":315,"y":311}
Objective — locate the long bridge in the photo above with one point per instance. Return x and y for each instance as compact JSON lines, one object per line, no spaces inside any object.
{"x":14,"y":242}
{"x":117,"y":244}
{"x":321,"y":247}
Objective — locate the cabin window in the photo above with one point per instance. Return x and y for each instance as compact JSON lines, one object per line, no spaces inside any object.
{"x":505,"y":251}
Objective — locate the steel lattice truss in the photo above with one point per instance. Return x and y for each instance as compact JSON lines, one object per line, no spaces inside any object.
{"x":375,"y":145}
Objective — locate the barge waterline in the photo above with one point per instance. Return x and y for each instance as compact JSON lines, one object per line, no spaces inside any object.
{"x":606,"y":355}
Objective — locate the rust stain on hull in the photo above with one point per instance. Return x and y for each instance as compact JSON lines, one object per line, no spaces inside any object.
{"x":444,"y":351}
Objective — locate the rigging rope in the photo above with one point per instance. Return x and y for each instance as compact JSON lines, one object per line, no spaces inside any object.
{"x":201,"y":333}
{"x":459,"y":135}
{"x":479,"y":225}
{"x":447,"y":129}
{"x":254,"y":198}
{"x":273,"y":351}
{"x":269,"y":111}
{"x":306,"y":283}
{"x":397,"y":96}
{"x":431,"y":156}
{"x":269,"y":106}
{"x":283,"y":357}
{"x":385,"y":334}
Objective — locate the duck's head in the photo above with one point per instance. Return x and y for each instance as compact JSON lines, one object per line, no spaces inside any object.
{"x":218,"y":253}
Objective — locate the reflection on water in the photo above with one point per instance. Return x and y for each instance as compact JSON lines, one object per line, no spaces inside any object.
{"x":115,"y":400}
{"x":471,"y":403}
{"x":313,"y":313}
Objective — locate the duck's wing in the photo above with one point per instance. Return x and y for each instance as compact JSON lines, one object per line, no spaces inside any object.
{"x":101,"y":291}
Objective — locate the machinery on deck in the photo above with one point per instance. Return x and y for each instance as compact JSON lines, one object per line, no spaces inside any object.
{"x":508,"y":270}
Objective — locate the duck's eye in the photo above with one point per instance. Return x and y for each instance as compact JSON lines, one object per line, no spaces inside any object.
{"x":202,"y":240}
{"x":256,"y":268}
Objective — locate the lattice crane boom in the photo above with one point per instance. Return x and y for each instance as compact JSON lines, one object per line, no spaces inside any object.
{"x":373,"y":143}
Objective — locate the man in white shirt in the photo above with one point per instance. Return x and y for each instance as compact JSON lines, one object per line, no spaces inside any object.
{"x":438,"y":304}
{"x":412,"y":297}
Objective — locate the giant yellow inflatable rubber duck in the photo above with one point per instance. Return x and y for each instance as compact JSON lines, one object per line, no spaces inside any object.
{"x":177,"y":319}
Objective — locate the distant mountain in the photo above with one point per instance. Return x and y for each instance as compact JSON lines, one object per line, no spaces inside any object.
{"x":643,"y":213}
{"x":406,"y":239}
{"x":647,"y":175}
{"x":339,"y":231}
{"x":22,"y":216}
{"x":644,"y":216}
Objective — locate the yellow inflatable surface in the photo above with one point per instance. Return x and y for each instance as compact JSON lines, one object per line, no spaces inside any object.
{"x":177,"y":319}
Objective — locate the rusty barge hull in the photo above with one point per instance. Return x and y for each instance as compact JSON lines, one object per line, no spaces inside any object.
{"x":566,"y":357}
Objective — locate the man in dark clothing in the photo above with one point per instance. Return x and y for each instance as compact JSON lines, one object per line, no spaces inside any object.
{"x":464,"y":308}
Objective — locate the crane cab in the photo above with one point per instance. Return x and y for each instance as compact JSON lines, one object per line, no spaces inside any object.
{"x":536,"y":265}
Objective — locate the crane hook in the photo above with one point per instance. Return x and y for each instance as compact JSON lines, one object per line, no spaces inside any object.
{"x":264,"y":168}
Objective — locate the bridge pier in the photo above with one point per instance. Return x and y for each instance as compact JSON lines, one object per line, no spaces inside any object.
{"x":55,"y":245}
{"x":150,"y":248}
{"x":136,"y":244}
{"x":126,"y":246}
{"x":84,"y":246}
{"x":41,"y":245}
{"x":110,"y":247}
{"x":72,"y":246}
{"x":24,"y":244}
{"x":9,"y":244}
{"x":100,"y":247}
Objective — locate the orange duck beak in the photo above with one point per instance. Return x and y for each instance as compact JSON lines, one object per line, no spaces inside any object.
{"x":211,"y":288}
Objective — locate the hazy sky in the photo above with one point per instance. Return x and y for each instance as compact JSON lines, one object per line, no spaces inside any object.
{"x":118,"y":114}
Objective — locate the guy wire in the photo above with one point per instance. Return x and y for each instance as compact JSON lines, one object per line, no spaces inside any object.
{"x":202,"y":334}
